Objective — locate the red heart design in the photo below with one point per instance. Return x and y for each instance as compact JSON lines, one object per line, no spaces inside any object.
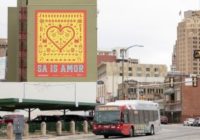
{"x":60,"y":36}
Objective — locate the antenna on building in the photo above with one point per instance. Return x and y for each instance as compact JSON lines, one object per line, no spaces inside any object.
{"x":180,"y":15}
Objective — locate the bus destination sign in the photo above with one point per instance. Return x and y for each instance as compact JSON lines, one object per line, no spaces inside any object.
{"x":107,"y":108}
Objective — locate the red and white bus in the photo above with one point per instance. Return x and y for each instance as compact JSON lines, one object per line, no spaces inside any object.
{"x":126,"y":118}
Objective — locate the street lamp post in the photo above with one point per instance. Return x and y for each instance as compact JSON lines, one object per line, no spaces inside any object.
{"x":122,"y":52}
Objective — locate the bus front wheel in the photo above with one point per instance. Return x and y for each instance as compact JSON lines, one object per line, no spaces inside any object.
{"x":106,"y":136}
{"x":131,"y":132}
{"x":152,"y":131}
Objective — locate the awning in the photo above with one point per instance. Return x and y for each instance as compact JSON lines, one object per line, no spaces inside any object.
{"x":169,"y":91}
{"x":11,"y":104}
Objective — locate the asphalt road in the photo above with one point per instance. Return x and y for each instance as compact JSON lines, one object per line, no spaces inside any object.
{"x":168,"y":132}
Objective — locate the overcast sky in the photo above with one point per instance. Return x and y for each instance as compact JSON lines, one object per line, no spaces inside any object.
{"x":122,"y":23}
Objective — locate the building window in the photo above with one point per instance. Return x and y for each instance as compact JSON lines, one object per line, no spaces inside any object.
{"x":147,"y":69}
{"x":130,"y":74}
{"x":194,"y":42}
{"x":139,"y":74}
{"x":195,"y":68}
{"x":156,"y":69}
{"x":147,"y":75}
{"x":120,"y":74}
{"x":194,"y":46}
{"x":194,"y":64}
{"x":130,"y":68}
{"x":139,"y":69}
{"x":156,"y":75}
{"x":131,"y":90}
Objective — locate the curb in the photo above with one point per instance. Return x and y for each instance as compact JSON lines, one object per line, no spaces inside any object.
{"x":77,"y":136}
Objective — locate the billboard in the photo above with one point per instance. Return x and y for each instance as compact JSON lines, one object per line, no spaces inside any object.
{"x":60,"y":43}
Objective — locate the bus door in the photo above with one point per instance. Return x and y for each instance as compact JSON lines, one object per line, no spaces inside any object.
{"x":125,"y":121}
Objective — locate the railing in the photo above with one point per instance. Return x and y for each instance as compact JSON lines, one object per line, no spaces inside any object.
{"x":51,"y":126}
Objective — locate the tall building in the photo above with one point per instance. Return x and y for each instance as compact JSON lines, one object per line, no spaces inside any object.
{"x":52,"y":43}
{"x":3,"y":53}
{"x":188,"y":40}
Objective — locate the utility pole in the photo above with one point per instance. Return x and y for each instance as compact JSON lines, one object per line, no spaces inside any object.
{"x":122,"y":52}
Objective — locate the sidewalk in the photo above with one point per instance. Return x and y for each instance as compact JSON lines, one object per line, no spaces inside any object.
{"x":53,"y":137}
{"x":69,"y":137}
{"x":65,"y":137}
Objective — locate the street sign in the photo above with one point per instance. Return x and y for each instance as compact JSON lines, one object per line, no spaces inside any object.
{"x":196,"y":54}
{"x":188,"y":81}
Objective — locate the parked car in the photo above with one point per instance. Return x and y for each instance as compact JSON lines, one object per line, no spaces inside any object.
{"x":45,"y":118}
{"x":188,"y":122}
{"x":163,"y":120}
{"x":1,"y":120}
{"x":70,"y":117}
{"x":196,"y":121}
{"x":10,"y":118}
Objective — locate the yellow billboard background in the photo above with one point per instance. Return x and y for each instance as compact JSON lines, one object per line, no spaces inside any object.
{"x":60,"y":43}
{"x":60,"y":37}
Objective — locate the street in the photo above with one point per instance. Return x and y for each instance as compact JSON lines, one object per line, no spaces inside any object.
{"x":168,"y":132}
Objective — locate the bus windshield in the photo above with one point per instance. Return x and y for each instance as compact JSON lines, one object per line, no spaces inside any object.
{"x":106,"y":117}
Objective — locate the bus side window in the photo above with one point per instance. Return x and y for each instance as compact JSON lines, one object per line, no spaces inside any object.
{"x":155,"y":115}
{"x":133,"y":115}
{"x":136,"y":116}
{"x":151,"y":116}
{"x":126,"y":116}
{"x":122,"y":116}
{"x":130,"y":116}
{"x":141,"y":116}
{"x":146,"y":116}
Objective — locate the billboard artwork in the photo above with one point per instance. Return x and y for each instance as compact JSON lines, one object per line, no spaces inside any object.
{"x":60,"y":43}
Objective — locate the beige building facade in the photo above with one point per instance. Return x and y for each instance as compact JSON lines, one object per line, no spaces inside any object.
{"x":188,"y":40}
{"x":111,"y":75}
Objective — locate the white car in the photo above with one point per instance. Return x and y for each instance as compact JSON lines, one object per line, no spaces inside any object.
{"x":188,"y":122}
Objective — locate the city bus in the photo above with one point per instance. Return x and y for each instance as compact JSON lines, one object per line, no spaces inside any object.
{"x":127,"y":118}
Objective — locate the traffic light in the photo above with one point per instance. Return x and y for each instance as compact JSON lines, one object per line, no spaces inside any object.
{"x":194,"y":81}
{"x":171,"y":82}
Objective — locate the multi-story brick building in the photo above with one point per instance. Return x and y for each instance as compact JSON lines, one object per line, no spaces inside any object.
{"x":106,"y":56}
{"x":181,"y":100}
